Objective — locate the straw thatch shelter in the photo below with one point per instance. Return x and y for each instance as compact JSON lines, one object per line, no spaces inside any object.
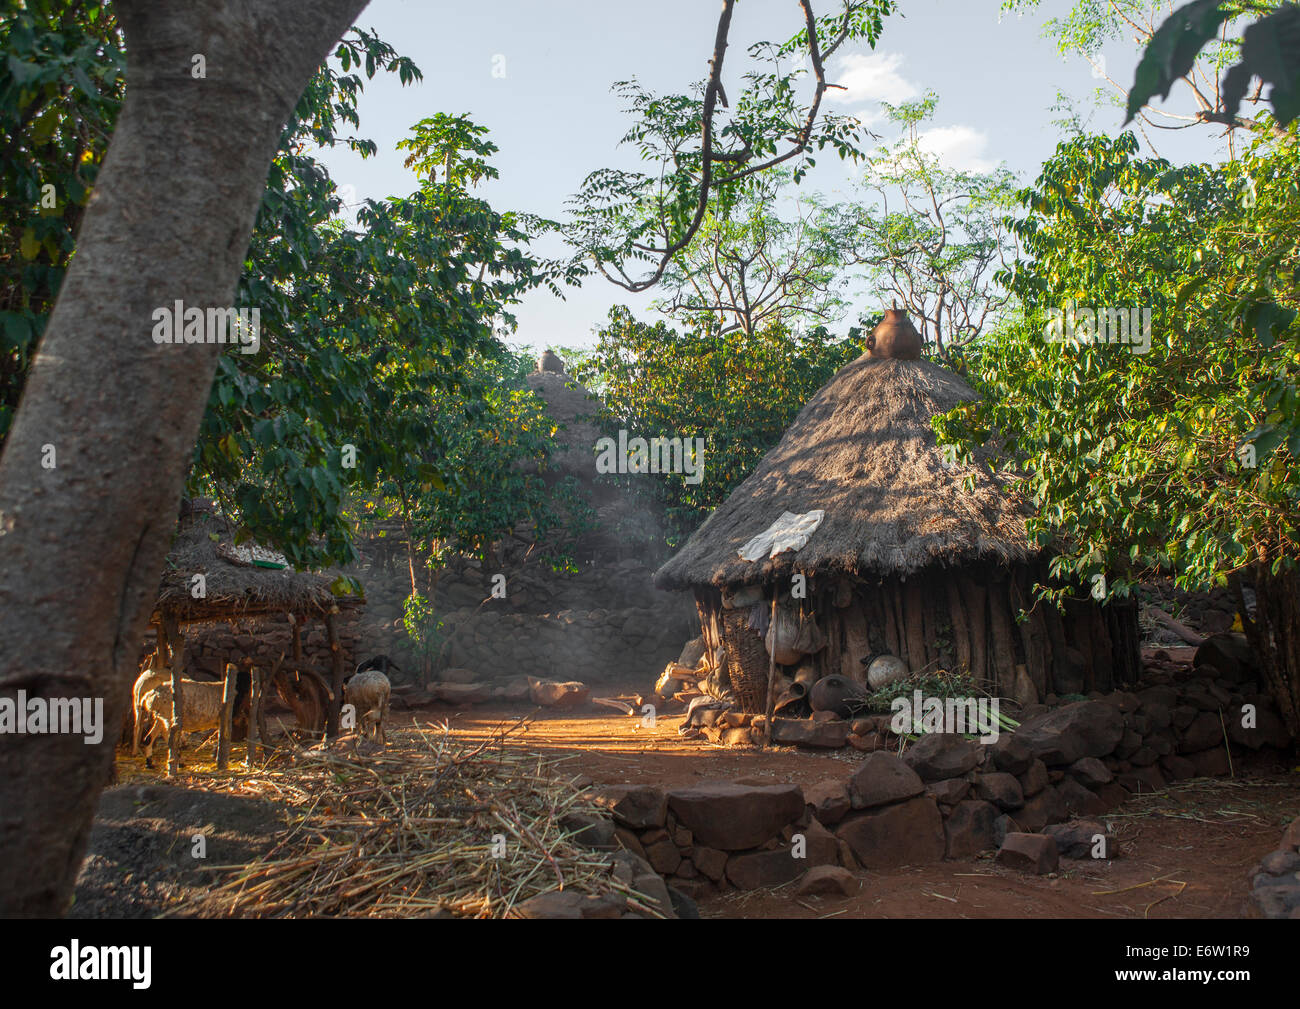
{"x":915,"y":557}
{"x":209,"y":579}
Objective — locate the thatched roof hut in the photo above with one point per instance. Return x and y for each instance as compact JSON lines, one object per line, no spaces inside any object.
{"x":233,"y":586}
{"x":914,"y":557}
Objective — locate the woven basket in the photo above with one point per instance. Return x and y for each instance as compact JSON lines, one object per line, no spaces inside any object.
{"x":747,"y":661}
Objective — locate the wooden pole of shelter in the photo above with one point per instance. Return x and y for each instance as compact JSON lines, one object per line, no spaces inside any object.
{"x":254,"y":716}
{"x":771,"y":678}
{"x":227,"y":716}
{"x":336,"y":671}
{"x":176,"y":661}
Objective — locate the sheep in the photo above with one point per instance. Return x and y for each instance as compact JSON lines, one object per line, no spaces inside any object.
{"x":368,"y":693}
{"x":200,"y":708}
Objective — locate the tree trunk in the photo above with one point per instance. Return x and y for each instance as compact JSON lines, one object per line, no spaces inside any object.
{"x":176,"y":734}
{"x":960,"y":627}
{"x":227,"y":716}
{"x":82,"y":544}
{"x":1274,"y":636}
{"x":913,"y":628}
{"x":336,"y":674}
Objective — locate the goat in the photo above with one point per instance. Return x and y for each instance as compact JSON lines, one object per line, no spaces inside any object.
{"x":145,"y":682}
{"x":368,"y":692}
{"x":200,"y":708}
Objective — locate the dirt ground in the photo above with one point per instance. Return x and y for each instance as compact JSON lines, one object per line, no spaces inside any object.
{"x":1184,"y":852}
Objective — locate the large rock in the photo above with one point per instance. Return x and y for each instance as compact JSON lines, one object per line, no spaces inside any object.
{"x":636,"y":806}
{"x":1081,"y":729}
{"x":1079,"y":800}
{"x":1083,"y":839}
{"x":1029,"y":853}
{"x":1269,"y":729}
{"x":1205,"y":731}
{"x":1091,"y":772}
{"x":882,"y":778}
{"x":906,"y":833}
{"x":752,"y":870}
{"x":828,"y":880}
{"x":1001,"y":789}
{"x":828,"y":800}
{"x":1039,"y":810}
{"x":826,"y":735}
{"x":968,"y":830}
{"x":1012,"y":754}
{"x":721,"y":814}
{"x":1230,"y":654}
{"x":939,"y":755}
{"x":550,"y":694}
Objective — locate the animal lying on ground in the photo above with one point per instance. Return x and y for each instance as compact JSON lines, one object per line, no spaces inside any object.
{"x":200,"y":710}
{"x":368,"y":692}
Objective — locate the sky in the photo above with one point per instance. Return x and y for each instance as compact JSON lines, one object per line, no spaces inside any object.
{"x":538,"y":73}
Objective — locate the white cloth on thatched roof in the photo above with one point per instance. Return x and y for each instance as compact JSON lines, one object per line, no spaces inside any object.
{"x":789,"y":532}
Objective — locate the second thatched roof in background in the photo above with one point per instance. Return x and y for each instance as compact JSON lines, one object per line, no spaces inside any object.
{"x":863,"y":450}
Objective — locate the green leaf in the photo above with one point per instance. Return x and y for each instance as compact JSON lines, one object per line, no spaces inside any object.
{"x":1172,"y":51}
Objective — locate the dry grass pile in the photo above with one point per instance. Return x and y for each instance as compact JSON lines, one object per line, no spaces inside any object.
{"x":409,"y":831}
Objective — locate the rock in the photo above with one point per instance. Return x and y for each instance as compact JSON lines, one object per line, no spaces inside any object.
{"x":1291,"y":836}
{"x":828,"y":800}
{"x":827,"y":879}
{"x":516,"y":689}
{"x":969,"y":829}
{"x":629,"y":841}
{"x":1078,"y":800}
{"x":1230,"y":654}
{"x":865,"y":744}
{"x":686,"y":870}
{"x":1039,"y":810}
{"x":460,"y":693}
{"x":1035,"y":779}
{"x":810,"y":733}
{"x":821,"y":847}
{"x":1012,"y":755}
{"x":1177,"y":768}
{"x":1269,"y":729}
{"x":663,"y":855}
{"x":710,"y":861}
{"x":458,"y":674}
{"x":1211,"y":763}
{"x":1034,"y":853}
{"x":939,"y":755}
{"x":637,"y":806}
{"x":948,"y":792}
{"x":885,"y":670}
{"x":552,"y":904}
{"x":1276,"y":901}
{"x":590,"y":831}
{"x":550,"y":694}
{"x":1083,"y":839}
{"x":733,"y":817}
{"x":1142,"y":780}
{"x":683,"y":905}
{"x":1080,"y":729}
{"x":905,"y":833}
{"x":742,"y":736}
{"x":1143,"y":757}
{"x":1183,"y":715}
{"x":1128,"y":744}
{"x":1205,"y":731}
{"x":882,"y":778}
{"x":1091,"y":772}
{"x":752,"y":870}
{"x":1001,"y":789}
{"x":1278,"y":863}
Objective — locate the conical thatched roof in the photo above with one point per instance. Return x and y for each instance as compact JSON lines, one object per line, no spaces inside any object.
{"x":862,"y":450}
{"x":203,"y":545}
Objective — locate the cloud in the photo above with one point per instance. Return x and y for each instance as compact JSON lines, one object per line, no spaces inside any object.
{"x":870,"y":77}
{"x":958,"y":147}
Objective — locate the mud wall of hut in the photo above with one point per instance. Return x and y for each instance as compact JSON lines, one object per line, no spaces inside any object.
{"x":967,"y":618}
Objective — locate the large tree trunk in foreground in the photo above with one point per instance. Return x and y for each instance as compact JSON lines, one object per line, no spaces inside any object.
{"x":82,"y":544}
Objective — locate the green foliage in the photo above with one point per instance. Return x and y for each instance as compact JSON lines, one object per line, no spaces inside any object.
{"x":1173,"y":49}
{"x":60,"y":90}
{"x":738,"y":391}
{"x":1182,"y":458}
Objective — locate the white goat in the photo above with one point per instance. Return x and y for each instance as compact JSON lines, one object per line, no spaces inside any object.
{"x":200,"y":710}
{"x":368,"y":693}
{"x":144,"y":683}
